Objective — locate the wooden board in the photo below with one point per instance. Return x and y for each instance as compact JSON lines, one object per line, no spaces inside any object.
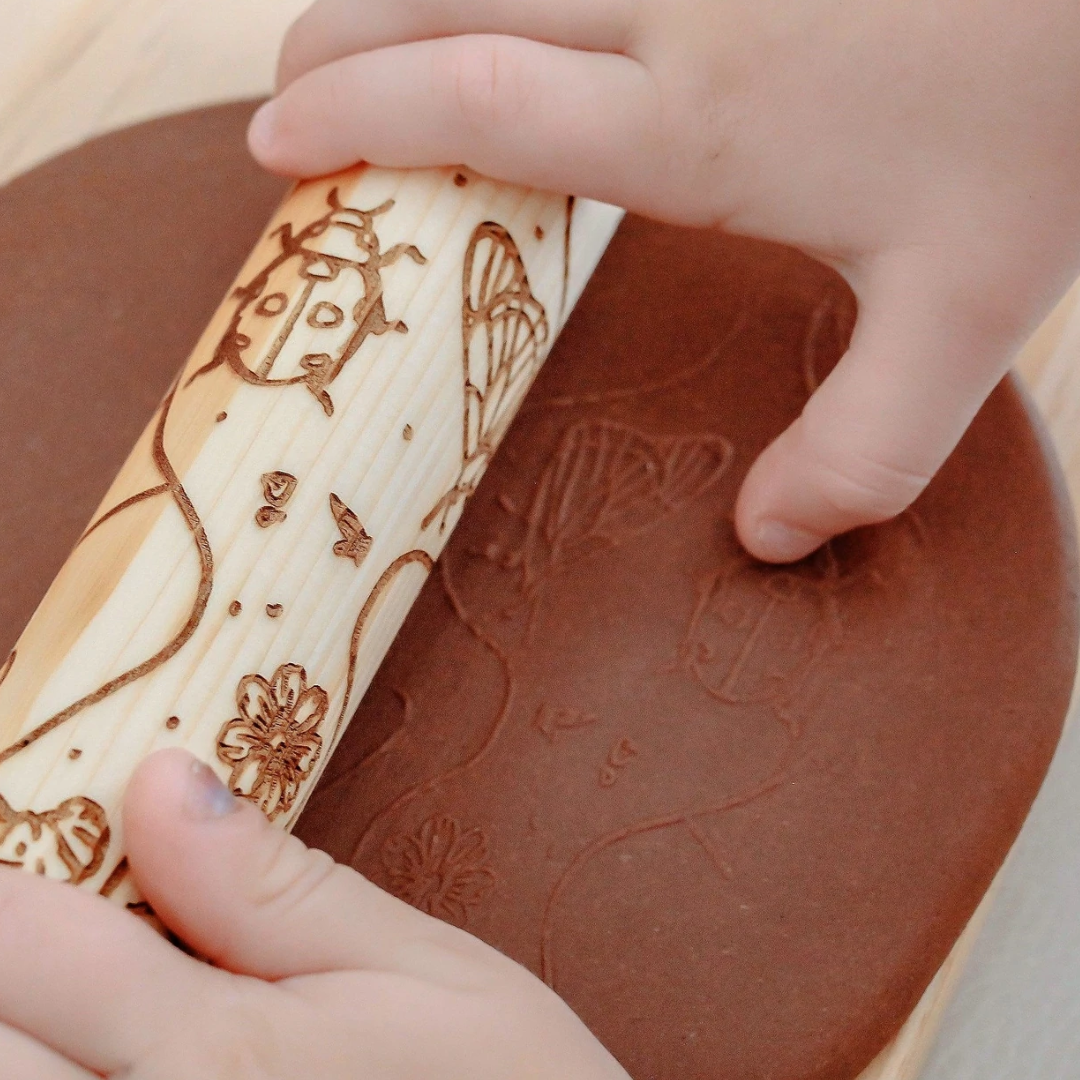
{"x":71,"y":69}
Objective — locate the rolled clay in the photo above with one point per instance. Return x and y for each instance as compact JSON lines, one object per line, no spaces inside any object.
{"x":735,"y":815}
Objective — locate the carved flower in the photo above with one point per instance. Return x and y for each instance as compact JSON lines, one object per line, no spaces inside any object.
{"x":272,"y":746}
{"x":68,"y":843}
{"x":440,"y":869}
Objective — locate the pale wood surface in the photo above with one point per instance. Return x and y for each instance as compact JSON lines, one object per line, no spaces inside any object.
{"x":71,"y":69}
{"x":255,"y":557}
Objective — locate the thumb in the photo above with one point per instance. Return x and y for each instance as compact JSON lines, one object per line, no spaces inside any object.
{"x":879,"y":427}
{"x":248,"y":896}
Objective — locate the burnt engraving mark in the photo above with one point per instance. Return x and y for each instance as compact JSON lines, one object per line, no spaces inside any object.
{"x":116,"y":878}
{"x":66,"y":844}
{"x":504,"y":331}
{"x":441,"y":868}
{"x":277,"y":489}
{"x":127,"y":504}
{"x":416,"y":557}
{"x":275,"y":611}
{"x":339,"y":255}
{"x":571,"y":200}
{"x":355,"y":542}
{"x":271,"y":748}
{"x":174,"y":488}
{"x":266,"y":516}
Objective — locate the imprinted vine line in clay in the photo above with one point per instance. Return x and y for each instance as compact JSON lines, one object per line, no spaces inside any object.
{"x":679,"y":818}
{"x":416,"y":557}
{"x":502,"y":716}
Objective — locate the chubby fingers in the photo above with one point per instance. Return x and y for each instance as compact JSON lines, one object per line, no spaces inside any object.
{"x":332,"y":29}
{"x":882,"y":423}
{"x":514,"y":109}
{"x":87,"y":979}
{"x":253,"y":899}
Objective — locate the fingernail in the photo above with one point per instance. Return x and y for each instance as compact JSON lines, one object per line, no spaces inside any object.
{"x":207,"y":796}
{"x":776,"y":541}
{"x":262,"y":128}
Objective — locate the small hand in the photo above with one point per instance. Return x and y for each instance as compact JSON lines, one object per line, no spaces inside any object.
{"x":320,"y":973}
{"x":929,"y":151}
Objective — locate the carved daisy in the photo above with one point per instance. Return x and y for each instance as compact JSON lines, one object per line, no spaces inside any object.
{"x":440,"y":869}
{"x":273,"y":745}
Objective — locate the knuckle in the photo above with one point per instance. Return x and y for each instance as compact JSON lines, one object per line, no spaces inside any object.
{"x":860,"y":486}
{"x":489,"y":82}
{"x":857,"y":472}
{"x":290,"y":874}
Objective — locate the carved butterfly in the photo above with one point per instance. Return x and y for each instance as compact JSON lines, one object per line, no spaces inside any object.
{"x":609,"y":482}
{"x":355,"y":541}
{"x":504,"y":332}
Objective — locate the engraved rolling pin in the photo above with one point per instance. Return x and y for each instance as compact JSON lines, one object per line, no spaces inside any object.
{"x":251,"y":564}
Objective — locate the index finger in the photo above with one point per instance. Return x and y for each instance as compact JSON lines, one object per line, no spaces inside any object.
{"x":87,"y":978}
{"x":27,"y":1059}
{"x":333,"y":29}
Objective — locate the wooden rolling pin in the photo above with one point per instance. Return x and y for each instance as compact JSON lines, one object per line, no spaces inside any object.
{"x":258,"y":552}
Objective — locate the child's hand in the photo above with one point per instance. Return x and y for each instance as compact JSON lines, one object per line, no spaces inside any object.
{"x":332,"y":977}
{"x":930,"y":151}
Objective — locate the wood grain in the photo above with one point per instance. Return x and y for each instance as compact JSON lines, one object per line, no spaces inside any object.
{"x":71,"y":69}
{"x":251,"y":563}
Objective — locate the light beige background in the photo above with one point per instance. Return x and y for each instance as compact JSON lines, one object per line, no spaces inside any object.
{"x":70,"y":69}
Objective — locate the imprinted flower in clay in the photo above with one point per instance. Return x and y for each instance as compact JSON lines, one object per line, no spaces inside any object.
{"x":273,"y":745}
{"x":439,"y":869}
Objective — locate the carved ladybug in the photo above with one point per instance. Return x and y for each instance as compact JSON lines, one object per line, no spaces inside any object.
{"x":304,"y":316}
